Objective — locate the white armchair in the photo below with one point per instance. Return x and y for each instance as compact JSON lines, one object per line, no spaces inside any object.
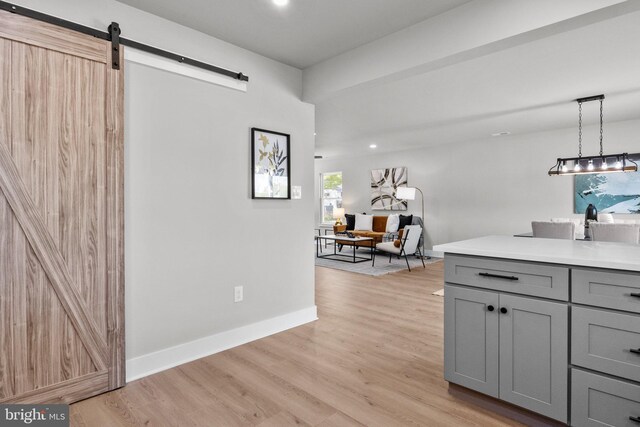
{"x":408,"y":245}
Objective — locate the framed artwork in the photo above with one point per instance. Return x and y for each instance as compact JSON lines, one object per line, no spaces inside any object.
{"x":384,"y":183}
{"x":271,"y":165}
{"x":609,"y":192}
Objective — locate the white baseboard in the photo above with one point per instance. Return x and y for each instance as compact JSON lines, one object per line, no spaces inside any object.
{"x":161,"y":360}
{"x":434,"y":254}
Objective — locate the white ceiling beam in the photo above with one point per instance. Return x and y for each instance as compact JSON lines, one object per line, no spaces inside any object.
{"x":469,"y":31}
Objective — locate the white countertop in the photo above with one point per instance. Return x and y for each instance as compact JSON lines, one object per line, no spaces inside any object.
{"x":618,"y":256}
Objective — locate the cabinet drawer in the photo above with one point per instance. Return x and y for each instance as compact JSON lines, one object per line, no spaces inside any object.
{"x":600,"y":401}
{"x":510,"y":276}
{"x":604,"y":341}
{"x":620,"y":291}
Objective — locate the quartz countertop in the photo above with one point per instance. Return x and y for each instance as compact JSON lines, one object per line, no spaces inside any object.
{"x":617,"y":256}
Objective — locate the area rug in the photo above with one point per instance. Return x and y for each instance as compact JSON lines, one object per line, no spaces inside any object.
{"x":381,"y":268}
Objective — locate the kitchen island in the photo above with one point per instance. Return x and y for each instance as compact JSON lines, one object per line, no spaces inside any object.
{"x":551,"y":326}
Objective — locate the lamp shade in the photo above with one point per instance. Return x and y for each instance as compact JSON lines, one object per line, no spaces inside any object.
{"x":338,"y":213}
{"x":406,"y":193}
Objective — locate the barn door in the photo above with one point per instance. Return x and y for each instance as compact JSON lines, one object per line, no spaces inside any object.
{"x":61,"y":214}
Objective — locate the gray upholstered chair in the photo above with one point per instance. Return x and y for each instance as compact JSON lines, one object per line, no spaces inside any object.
{"x":554,"y":230}
{"x":408,"y":245}
{"x":623,"y":233}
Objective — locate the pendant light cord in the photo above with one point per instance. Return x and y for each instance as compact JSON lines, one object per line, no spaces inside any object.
{"x":601,"y":151}
{"x":580,"y":129}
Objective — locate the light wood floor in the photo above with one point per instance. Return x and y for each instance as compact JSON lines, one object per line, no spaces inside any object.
{"x":374,"y":358}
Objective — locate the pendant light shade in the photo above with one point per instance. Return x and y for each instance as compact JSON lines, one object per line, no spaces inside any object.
{"x":602,"y":163}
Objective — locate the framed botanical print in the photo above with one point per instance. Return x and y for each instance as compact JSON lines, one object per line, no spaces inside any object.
{"x":271,"y":165}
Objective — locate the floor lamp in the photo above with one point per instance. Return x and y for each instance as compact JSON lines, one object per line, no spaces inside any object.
{"x":409,"y":193}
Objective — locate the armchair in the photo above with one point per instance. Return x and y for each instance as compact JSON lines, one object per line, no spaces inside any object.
{"x":409,"y":240}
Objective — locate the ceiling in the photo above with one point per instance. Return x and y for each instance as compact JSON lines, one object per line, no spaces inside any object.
{"x":303,"y":33}
{"x":523,"y":89}
{"x":384,"y":85}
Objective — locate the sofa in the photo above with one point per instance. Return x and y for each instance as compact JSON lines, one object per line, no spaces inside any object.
{"x":378,"y":232}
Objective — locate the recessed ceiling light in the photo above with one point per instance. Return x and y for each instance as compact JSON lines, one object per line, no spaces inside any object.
{"x":281,"y":2}
{"x":373,"y":146}
{"x":503,"y":133}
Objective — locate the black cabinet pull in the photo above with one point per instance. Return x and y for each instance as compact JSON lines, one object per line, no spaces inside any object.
{"x":490,"y":308}
{"x":635,"y":351}
{"x":498,"y":276}
{"x":637,"y":295}
{"x":635,"y":419}
{"x":504,"y":310}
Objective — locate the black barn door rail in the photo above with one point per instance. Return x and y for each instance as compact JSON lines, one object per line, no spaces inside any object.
{"x":113,"y":35}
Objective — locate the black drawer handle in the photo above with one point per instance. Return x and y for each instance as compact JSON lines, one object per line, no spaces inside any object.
{"x":504,"y":310}
{"x":635,"y":419}
{"x":490,"y":308}
{"x":498,"y":276}
{"x":637,"y":295}
{"x":635,"y":351}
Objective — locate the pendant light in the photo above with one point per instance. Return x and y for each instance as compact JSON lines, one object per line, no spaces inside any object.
{"x":602,"y":163}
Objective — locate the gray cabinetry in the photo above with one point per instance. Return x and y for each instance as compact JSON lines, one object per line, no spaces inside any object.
{"x":511,"y":325}
{"x":510,"y":347}
{"x":606,"y":341}
{"x":509,"y":276}
{"x":601,"y":401}
{"x":609,"y":289}
{"x":534,"y":355}
{"x":471,"y":339}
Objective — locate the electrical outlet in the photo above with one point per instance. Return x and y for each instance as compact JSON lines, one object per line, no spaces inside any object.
{"x":238,"y":294}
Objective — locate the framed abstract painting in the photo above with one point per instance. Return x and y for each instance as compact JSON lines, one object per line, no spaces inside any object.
{"x":384,"y":184}
{"x":609,"y":192}
{"x":271,"y":165}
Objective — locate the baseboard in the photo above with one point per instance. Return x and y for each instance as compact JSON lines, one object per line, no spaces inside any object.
{"x":435,"y":254}
{"x":161,"y":360}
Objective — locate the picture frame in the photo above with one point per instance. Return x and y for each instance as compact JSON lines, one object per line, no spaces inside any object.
{"x":384,"y":185}
{"x":270,"y":165}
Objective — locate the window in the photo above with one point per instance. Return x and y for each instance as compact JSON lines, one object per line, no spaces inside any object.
{"x":331,"y":190}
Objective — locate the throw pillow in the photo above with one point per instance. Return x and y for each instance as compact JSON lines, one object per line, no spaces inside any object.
{"x":397,"y":243}
{"x":393,"y":221}
{"x":351,"y":221}
{"x":404,"y":221}
{"x":364,"y":222}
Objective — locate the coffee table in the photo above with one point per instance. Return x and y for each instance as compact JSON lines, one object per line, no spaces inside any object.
{"x":345,"y":241}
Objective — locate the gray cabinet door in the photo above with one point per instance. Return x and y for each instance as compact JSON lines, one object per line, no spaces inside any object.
{"x":534,"y":355}
{"x":471,"y":339}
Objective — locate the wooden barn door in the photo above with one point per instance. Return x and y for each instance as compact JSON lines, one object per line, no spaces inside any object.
{"x":61,"y":214}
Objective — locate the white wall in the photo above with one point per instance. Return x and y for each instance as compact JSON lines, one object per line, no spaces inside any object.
{"x":192,"y":231}
{"x":489,"y":186}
